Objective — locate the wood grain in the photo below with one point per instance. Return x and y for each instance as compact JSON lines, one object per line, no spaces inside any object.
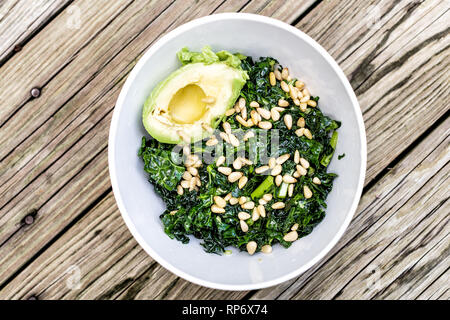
{"x":24,"y":173}
{"x":397,"y":62}
{"x":392,"y":210}
{"x":32,"y":17}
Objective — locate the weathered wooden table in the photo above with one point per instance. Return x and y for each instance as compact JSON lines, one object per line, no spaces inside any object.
{"x":62,"y":65}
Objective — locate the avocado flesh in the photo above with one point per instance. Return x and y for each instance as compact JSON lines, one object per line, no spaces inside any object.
{"x":174,"y":105}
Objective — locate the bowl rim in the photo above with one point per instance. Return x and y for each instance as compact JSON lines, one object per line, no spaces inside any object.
{"x":113,"y":131}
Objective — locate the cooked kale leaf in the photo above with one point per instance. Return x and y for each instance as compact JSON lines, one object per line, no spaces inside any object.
{"x":190,"y":213}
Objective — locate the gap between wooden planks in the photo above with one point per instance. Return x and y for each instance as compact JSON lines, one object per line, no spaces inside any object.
{"x":392,"y":218}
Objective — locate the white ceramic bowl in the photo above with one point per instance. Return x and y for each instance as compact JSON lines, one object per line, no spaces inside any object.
{"x":255,"y":36}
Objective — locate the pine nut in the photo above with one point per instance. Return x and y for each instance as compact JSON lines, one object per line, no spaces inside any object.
{"x":220,"y":161}
{"x":242,"y":200}
{"x":294,"y":227}
{"x":256,"y":117}
{"x":246,"y":161}
{"x":251,"y":247}
{"x":207,"y":128}
{"x":304,"y":163}
{"x":277,"y":74}
{"x":250,"y":123}
{"x":302,"y":171}
{"x":299,"y":84}
{"x":248,"y":205}
{"x":244,"y":215}
{"x":241,"y":120}
{"x":254,"y":104}
{"x":192,"y":183}
{"x":283,"y":103}
{"x":180,"y":190}
{"x":284,"y":86}
{"x":217,"y":209}
{"x":279,"y":109}
{"x":186,"y":150}
{"x":261,"y":211}
{"x":297,"y":102}
{"x":193,"y":171}
{"x":235,"y":176}
{"x":225,"y":170}
{"x":285,"y":73}
{"x":316,"y":180}
{"x":241,"y":103}
{"x":224,"y":137}
{"x":262,"y":202}
{"x":198,"y":181}
{"x":308,"y":134}
{"x":265,"y":125}
{"x":226,"y":127}
{"x":289,"y":179}
{"x":227,"y":197}
{"x":244,"y":113}
{"x":233,"y":140}
{"x":305,"y":99}
{"x":275,"y":114}
{"x":296,"y":174}
{"x":244,"y":226}
{"x":278,"y":205}
{"x":283,"y":158}
{"x":272,"y":163}
{"x":172,"y":213}
{"x":305,"y":92}
{"x":187,"y":175}
{"x":266,"y":249}
{"x":303,"y":106}
{"x":220,"y":202}
{"x":288,"y":121}
{"x":311,"y":103}
{"x":296,"y":157}
{"x":212,"y":142}
{"x":267,"y":197}
{"x":237,"y":164}
{"x":242,"y":181}
{"x":261,"y":169}
{"x":197,"y":164}
{"x":307,"y":192}
{"x":301,"y":122}
{"x":293,"y":92}
{"x":291,"y":190}
{"x":278,"y":180}
{"x":230,"y":112}
{"x":291,"y":236}
{"x":184,"y":184}
{"x":264,"y":113}
{"x":272,"y":79}
{"x":255,"y":214}
{"x":237,"y":108}
{"x":300,"y":132}
{"x":233,"y":201}
{"x":248,"y":135}
{"x":277,"y":170}
{"x":184,"y":136}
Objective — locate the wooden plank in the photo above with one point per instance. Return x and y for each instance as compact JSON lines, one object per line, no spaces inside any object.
{"x":32,"y":16}
{"x":53,"y":49}
{"x":394,"y":208}
{"x":438,"y":289}
{"x":16,"y":213}
{"x":396,"y":60}
{"x":429,"y":90}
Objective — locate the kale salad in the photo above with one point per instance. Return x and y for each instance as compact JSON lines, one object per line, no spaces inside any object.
{"x":238,"y":152}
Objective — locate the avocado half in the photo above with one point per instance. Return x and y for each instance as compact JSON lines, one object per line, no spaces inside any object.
{"x":194,"y":95}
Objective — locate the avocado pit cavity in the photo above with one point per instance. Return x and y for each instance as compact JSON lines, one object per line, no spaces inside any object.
{"x":188,"y":105}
